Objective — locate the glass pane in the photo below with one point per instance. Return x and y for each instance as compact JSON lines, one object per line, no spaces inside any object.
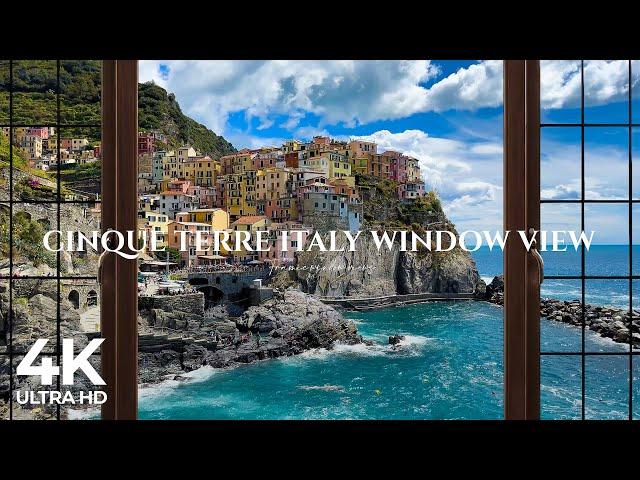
{"x":606,"y":163}
{"x":560,"y":316}
{"x":565,"y":260}
{"x":4,"y":92}
{"x":80,"y":223}
{"x":26,"y":407}
{"x":5,"y":394}
{"x":31,"y":221}
{"x":560,"y":387}
{"x":80,"y":164}
{"x":635,"y":91}
{"x":80,"y":89}
{"x":35,"y":87}
{"x":607,"y":315}
{"x":609,"y":252}
{"x":34,"y":164}
{"x":560,"y":163}
{"x":5,"y":270}
{"x":35,"y":314}
{"x":607,"y":387}
{"x":636,"y":388}
{"x":635,"y":156}
{"x":606,"y":91}
{"x":4,"y":316}
{"x":560,"y":89}
{"x":81,"y":308}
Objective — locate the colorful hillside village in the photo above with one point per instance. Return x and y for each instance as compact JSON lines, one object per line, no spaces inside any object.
{"x":297,"y":186}
{"x":313,"y":185}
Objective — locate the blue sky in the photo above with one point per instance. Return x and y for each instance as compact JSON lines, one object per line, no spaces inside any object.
{"x":448,"y":114}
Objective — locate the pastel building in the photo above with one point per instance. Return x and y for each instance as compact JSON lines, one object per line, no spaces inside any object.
{"x":192,"y":250}
{"x":171,"y":203}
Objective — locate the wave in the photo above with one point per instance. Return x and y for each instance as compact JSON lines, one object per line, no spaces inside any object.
{"x":410,"y":345}
{"x":198,"y":375}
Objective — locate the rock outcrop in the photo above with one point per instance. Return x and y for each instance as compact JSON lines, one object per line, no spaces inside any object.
{"x":369,"y":272}
{"x":617,"y":324}
{"x":288,"y":324}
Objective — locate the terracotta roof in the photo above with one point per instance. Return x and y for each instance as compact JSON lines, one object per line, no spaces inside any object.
{"x":249,"y":219}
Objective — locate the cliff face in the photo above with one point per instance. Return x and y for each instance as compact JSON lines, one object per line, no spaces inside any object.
{"x":369,"y":272}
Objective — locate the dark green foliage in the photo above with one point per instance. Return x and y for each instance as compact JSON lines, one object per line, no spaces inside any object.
{"x":35,"y":99}
{"x":160,"y":111}
{"x":27,"y":239}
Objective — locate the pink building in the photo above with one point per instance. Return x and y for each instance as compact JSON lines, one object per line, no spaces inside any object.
{"x":205,"y":195}
{"x":145,"y":143}
{"x":398,"y":166}
{"x":189,"y":257}
{"x":179,"y":186}
{"x":42,"y":132}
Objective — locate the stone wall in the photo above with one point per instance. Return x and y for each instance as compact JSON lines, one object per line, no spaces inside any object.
{"x":189,"y":303}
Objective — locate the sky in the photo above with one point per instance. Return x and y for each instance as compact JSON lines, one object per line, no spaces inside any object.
{"x":448,"y":114}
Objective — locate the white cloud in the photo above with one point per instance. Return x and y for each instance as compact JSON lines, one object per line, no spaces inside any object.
{"x":467,"y":175}
{"x":347,"y":91}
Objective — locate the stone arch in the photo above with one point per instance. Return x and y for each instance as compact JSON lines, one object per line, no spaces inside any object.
{"x":212,"y":295}
{"x":92,"y":298}
{"x":74,"y":298}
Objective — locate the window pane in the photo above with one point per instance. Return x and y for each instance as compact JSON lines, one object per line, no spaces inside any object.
{"x":560,"y":217}
{"x":80,"y":89}
{"x":35,"y":314}
{"x":606,"y":91}
{"x":560,"y":316}
{"x":80,"y":163}
{"x":609,"y":252}
{"x":31,"y":221}
{"x":80,"y":223}
{"x":5,"y":372}
{"x":607,"y":315}
{"x":23,"y":406}
{"x":560,"y":163}
{"x":4,"y":92}
{"x":34,"y":164}
{"x":607,"y":387}
{"x":560,"y":387}
{"x":606,"y":163}
{"x":560,"y":87}
{"x":35,"y":86}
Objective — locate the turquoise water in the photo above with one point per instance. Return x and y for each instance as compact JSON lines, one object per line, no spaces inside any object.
{"x":448,"y":367}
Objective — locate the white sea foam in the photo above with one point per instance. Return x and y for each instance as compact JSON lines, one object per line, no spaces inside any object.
{"x":487,"y":280}
{"x":195,"y":376}
{"x":84,"y":414}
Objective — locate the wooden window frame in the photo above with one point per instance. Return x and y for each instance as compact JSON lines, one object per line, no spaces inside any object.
{"x":119,"y":283}
{"x":521,"y":211}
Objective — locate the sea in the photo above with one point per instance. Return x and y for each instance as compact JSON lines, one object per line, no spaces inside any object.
{"x":449,"y":365}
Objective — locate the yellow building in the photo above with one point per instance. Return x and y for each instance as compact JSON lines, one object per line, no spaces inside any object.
{"x":339,"y":165}
{"x":248,"y":223}
{"x":239,"y":194}
{"x":237,"y":163}
{"x":153,"y":224}
{"x":271,"y":183}
{"x":216,"y":217}
{"x":359,"y":165}
{"x":201,"y":171}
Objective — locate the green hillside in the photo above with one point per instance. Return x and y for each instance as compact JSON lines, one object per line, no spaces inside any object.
{"x":35,"y":101}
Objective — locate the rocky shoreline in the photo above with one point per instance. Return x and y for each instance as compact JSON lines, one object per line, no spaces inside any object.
{"x":290,"y":323}
{"x":608,"y":322}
